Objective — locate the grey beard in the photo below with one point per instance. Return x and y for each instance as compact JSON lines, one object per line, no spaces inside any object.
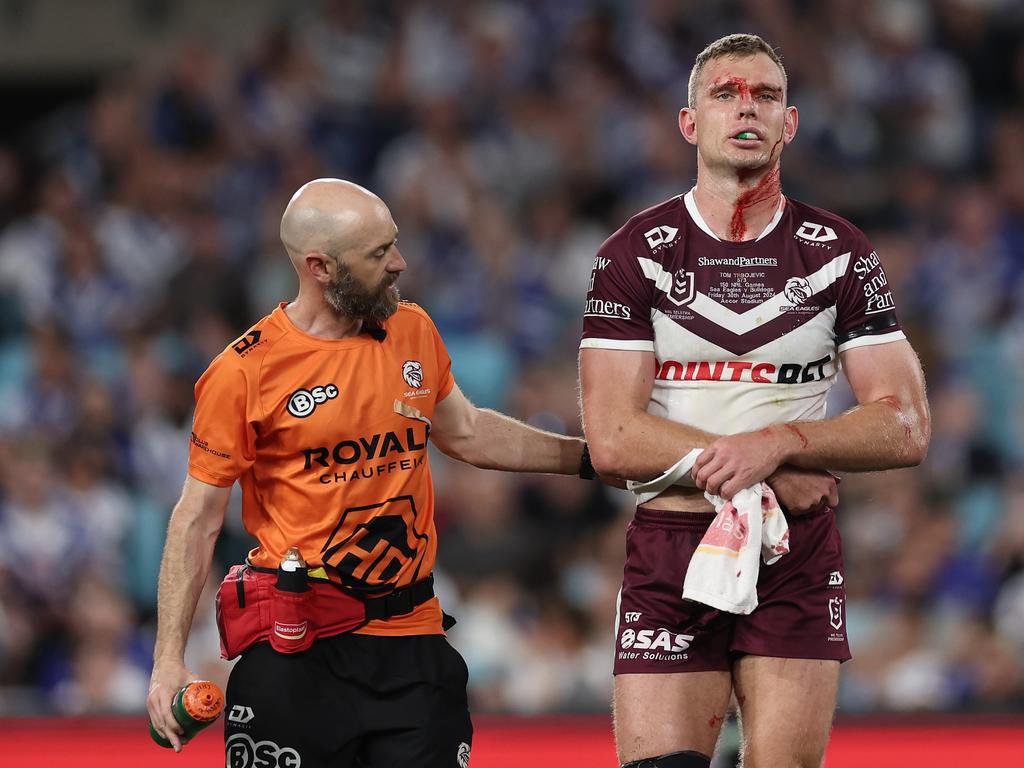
{"x":348,"y":297}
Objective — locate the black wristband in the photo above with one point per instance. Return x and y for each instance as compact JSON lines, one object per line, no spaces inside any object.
{"x":586,"y":466}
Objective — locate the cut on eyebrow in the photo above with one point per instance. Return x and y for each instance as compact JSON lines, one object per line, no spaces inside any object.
{"x":733,"y":85}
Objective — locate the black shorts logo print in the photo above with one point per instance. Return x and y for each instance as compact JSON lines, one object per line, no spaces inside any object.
{"x":372,"y":546}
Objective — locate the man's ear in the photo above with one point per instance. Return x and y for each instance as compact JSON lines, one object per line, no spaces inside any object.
{"x":789,"y":127}
{"x":317,"y":266}
{"x":688,"y":124}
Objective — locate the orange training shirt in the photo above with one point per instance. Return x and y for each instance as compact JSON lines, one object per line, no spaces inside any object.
{"x":312,"y":429}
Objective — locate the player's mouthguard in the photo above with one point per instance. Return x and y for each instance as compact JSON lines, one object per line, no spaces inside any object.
{"x":745,"y":135}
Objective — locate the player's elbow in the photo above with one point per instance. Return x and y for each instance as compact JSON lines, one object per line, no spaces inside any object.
{"x":606,"y":454}
{"x":919,"y":441}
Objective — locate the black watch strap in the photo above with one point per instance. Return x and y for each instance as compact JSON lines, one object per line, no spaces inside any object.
{"x":586,"y":466}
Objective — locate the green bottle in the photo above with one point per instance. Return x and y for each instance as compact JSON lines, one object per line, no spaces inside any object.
{"x":195,"y":706}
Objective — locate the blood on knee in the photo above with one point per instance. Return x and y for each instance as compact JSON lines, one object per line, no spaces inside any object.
{"x":686,"y":759}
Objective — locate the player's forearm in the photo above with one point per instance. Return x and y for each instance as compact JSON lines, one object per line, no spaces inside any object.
{"x":638,"y":445}
{"x":183,"y":572}
{"x":497,"y":441}
{"x":886,"y":434}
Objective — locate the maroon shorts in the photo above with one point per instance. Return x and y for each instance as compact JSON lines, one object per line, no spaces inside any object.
{"x":801,"y":612}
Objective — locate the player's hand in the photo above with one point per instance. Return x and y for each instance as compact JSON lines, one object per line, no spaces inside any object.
{"x":167,"y":679}
{"x":735,"y":462}
{"x":803,"y":491}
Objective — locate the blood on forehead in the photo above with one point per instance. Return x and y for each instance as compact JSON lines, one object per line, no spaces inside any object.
{"x":742,"y":86}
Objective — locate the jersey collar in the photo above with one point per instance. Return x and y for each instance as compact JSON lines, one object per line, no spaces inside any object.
{"x":691,"y":207}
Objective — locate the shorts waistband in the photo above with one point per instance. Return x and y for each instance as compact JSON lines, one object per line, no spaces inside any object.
{"x":668,"y":518}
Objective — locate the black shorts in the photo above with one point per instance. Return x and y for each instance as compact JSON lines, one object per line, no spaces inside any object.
{"x":351,"y":700}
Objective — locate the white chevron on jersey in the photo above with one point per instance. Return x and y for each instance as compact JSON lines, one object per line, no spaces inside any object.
{"x":726,"y":407}
{"x":741,"y":323}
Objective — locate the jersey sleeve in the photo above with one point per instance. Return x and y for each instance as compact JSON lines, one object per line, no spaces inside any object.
{"x":618,"y":309}
{"x":865,"y":309}
{"x":223,"y":439}
{"x":445,"y":380}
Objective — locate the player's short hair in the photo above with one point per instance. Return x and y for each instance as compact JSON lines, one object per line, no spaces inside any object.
{"x":731,"y":45}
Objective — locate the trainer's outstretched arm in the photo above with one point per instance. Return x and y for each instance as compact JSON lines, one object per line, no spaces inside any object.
{"x":492,"y":440}
{"x":195,"y":522}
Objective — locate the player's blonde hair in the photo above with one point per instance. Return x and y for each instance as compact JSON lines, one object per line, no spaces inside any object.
{"x":731,"y":45}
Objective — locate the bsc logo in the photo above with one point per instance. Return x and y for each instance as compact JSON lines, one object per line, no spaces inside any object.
{"x":304,"y":401}
{"x":242,"y":752}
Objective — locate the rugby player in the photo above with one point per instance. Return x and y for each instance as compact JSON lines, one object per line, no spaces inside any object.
{"x":719,"y":319}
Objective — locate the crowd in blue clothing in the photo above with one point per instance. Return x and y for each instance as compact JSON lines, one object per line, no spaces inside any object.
{"x":139,"y":235}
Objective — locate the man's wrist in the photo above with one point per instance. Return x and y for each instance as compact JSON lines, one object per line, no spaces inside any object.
{"x":790,"y":442}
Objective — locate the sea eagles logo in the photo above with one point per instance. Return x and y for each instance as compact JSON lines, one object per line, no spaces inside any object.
{"x":797,"y":290}
{"x":682,"y":291}
{"x":463,"y":755}
{"x":412,"y":372}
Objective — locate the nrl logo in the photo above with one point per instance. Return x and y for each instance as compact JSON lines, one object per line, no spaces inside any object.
{"x":683,"y":289}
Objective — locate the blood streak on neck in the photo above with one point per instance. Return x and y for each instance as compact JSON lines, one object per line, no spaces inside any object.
{"x":768,"y":188}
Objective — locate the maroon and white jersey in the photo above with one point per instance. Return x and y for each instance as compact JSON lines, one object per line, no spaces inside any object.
{"x":744,"y":334}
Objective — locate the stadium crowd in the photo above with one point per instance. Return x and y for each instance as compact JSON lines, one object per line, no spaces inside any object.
{"x":139,"y":235}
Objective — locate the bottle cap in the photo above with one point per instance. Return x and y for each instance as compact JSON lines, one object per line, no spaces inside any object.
{"x":203,"y":700}
{"x":292,"y":560}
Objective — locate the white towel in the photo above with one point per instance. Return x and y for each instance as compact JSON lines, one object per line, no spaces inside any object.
{"x":723,"y":570}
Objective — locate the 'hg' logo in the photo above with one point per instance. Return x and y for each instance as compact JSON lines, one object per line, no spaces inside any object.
{"x":243,"y":752}
{"x":655,"y":639}
{"x":304,"y":401}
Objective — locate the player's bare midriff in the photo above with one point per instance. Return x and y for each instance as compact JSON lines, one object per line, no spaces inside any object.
{"x":681,"y":499}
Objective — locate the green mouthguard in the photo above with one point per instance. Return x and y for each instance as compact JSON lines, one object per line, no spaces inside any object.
{"x":747,"y":135}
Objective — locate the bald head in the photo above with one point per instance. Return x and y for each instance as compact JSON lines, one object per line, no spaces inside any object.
{"x":331,"y":216}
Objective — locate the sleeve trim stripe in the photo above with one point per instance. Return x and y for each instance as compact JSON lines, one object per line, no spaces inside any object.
{"x":867,"y":341}
{"x":208,"y":477}
{"x":631,"y":346}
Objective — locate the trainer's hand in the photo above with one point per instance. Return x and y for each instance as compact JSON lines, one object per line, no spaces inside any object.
{"x":735,"y":462}
{"x":802,"y":491}
{"x":168,"y":678}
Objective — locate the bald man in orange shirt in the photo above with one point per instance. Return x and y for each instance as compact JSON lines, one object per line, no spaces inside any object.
{"x":322,"y":412}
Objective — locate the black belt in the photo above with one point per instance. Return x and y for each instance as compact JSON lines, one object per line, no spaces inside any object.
{"x":400,"y":602}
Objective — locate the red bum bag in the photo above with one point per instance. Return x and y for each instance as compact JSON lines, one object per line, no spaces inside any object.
{"x":251,"y":609}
